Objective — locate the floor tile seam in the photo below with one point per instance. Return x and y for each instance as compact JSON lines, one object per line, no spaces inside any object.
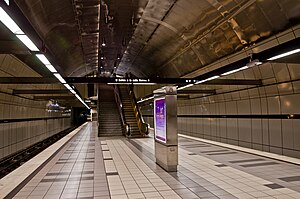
{"x":244,"y":169}
{"x":136,"y":165}
{"x":97,"y":147}
{"x":61,"y":150}
{"x":277,"y":157}
{"x":148,"y":146}
{"x":111,"y":148}
{"x":262,"y":185}
{"x":71,"y":169}
{"x":151,"y":157}
{"x":128,"y":169}
{"x":185,"y":152}
{"x":83,"y":139}
{"x":136,"y":151}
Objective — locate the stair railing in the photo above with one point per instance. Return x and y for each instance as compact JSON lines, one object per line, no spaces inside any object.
{"x":143,"y":127}
{"x":125,"y":126}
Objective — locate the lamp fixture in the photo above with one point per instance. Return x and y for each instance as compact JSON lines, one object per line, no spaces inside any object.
{"x":68,"y":86}
{"x":51,"y":68}
{"x":235,"y":70}
{"x":27,"y":42}
{"x":208,"y":79}
{"x":131,"y":83}
{"x":284,"y":54}
{"x":184,"y":87}
{"x":146,"y":99}
{"x":9,"y":23}
{"x":43,"y":59}
{"x":15,"y":29}
{"x":118,"y":57}
{"x":103,"y":42}
{"x":60,"y":78}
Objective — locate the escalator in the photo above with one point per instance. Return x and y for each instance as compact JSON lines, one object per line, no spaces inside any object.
{"x":129,"y":113}
{"x":132,"y":116}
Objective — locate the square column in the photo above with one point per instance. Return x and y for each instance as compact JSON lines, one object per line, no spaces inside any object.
{"x":165,"y":128}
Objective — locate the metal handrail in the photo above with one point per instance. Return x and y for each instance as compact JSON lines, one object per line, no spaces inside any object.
{"x":143,"y":127}
{"x":125,"y":126}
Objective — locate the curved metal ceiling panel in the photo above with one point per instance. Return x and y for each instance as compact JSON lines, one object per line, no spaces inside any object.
{"x":169,"y":38}
{"x":186,"y":35}
{"x":55,"y":22}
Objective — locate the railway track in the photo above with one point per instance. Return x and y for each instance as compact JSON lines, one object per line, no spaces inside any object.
{"x":11,"y":162}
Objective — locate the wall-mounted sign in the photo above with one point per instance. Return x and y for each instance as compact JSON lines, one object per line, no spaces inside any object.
{"x":160,"y":124}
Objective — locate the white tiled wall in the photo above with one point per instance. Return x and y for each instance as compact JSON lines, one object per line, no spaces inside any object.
{"x":280,"y":95}
{"x":18,"y":135}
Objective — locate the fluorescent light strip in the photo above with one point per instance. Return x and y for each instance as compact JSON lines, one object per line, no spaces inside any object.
{"x":27,"y":42}
{"x":284,"y":55}
{"x":43,"y":59}
{"x":236,"y":70}
{"x":68,"y":86}
{"x":9,"y":23}
{"x":79,"y":98}
{"x":60,"y":78}
{"x":51,"y":68}
{"x":13,"y":27}
{"x":143,"y":100}
{"x":46,"y":62}
{"x":184,"y":87}
{"x":208,"y":79}
{"x":134,"y":83}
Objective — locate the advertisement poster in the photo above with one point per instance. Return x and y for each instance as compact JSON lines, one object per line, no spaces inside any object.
{"x":160,"y":120}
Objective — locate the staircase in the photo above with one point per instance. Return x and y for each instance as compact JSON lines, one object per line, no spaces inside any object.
{"x":129,"y":112}
{"x":109,"y":117}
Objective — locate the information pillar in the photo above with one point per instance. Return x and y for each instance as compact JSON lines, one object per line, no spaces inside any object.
{"x":165,"y":128}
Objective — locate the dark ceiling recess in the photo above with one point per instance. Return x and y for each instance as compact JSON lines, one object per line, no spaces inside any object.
{"x":87,"y":15}
{"x":118,"y":22}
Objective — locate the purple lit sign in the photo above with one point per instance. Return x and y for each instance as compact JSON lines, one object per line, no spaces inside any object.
{"x":160,"y":120}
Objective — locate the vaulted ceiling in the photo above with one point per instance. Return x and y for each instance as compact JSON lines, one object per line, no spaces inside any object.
{"x":166,"y":38}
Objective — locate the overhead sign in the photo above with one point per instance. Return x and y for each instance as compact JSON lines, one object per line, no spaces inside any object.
{"x":160,"y":122}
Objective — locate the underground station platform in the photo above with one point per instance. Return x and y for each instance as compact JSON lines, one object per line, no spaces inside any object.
{"x":106,"y":99}
{"x":83,"y":165}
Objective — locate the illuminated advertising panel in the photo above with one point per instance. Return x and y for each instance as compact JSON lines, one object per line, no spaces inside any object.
{"x":160,"y":124}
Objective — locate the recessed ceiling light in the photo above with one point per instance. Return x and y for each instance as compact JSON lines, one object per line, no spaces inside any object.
{"x":208,"y":79}
{"x":284,"y":55}
{"x":27,"y":42}
{"x":60,"y":78}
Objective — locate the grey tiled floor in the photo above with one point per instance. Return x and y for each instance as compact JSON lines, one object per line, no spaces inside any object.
{"x":89,"y":167}
{"x":77,"y":171}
